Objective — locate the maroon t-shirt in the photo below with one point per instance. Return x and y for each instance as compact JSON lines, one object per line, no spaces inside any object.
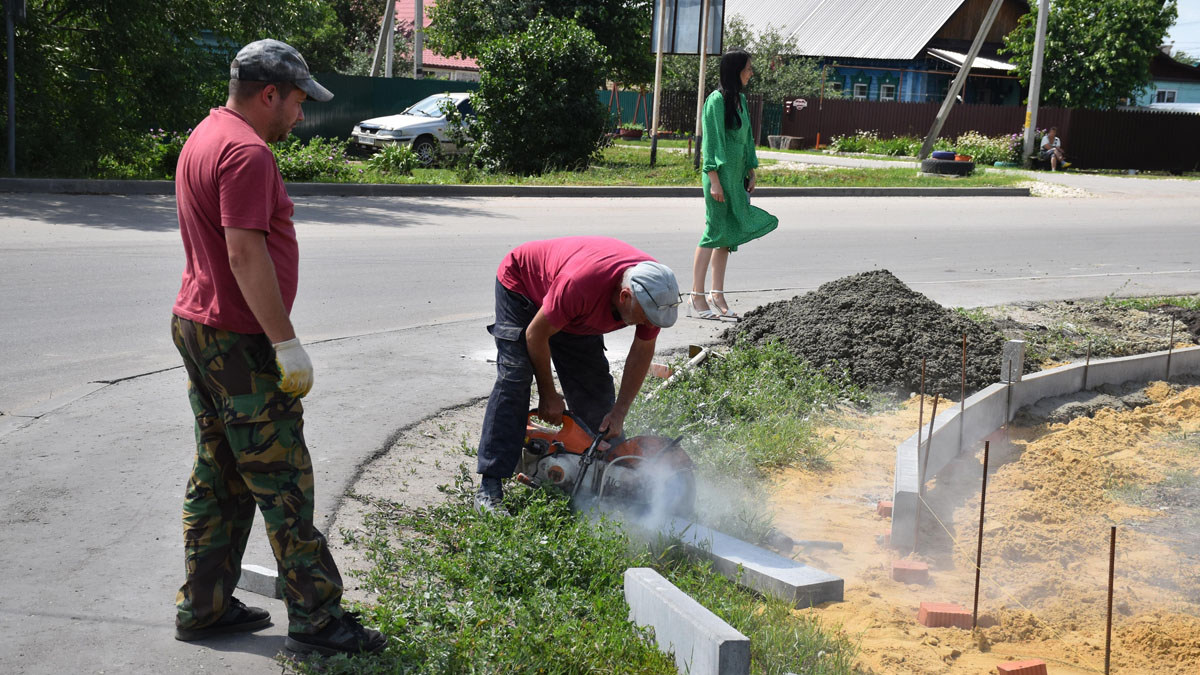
{"x":227,"y":177}
{"x":573,"y":279}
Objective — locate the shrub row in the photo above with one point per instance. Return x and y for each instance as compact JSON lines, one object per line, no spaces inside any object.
{"x":983,"y":149}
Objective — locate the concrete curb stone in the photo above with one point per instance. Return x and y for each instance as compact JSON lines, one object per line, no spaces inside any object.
{"x":702,"y":643}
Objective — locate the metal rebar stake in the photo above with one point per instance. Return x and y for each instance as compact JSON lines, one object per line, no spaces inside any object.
{"x":1112,"y":560}
{"x":979,"y":548}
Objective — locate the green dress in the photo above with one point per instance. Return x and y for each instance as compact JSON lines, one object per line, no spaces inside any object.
{"x":730,"y":152}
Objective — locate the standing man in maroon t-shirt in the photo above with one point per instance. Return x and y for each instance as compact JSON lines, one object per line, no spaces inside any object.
{"x":555,"y":300}
{"x":247,"y":369}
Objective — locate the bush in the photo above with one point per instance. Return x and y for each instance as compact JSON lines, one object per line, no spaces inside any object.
{"x":150,"y":156}
{"x":984,"y":149}
{"x":634,"y":126}
{"x":537,"y":104}
{"x":861,"y":141}
{"x":395,"y":158}
{"x":320,"y":158}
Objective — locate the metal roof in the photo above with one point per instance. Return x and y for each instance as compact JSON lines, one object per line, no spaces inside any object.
{"x":860,"y":29}
{"x":957,"y":58}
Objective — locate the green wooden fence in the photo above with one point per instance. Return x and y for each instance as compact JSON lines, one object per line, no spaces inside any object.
{"x":356,"y":98}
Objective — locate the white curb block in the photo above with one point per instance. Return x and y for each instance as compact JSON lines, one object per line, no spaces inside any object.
{"x":702,"y":643}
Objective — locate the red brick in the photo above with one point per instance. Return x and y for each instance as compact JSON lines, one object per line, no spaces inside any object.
{"x":1029,"y":667}
{"x":910,"y":571}
{"x":943,"y":615}
{"x":884,"y":509}
{"x":660,"y":370}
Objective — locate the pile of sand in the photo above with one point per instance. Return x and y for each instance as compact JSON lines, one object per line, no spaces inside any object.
{"x":878,"y":330}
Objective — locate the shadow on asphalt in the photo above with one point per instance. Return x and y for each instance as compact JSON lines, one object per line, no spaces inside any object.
{"x":156,"y":213}
{"x":246,"y":643}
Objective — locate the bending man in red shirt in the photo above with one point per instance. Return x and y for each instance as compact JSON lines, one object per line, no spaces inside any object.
{"x":555,"y":300}
{"x":246,"y":368}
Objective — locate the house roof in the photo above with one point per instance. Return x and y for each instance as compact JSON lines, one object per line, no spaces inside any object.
{"x":861,"y":29}
{"x":1163,"y":67}
{"x":405,"y":12}
{"x":980,"y":63}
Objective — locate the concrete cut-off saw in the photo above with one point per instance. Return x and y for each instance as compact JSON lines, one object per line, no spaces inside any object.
{"x":648,"y":475}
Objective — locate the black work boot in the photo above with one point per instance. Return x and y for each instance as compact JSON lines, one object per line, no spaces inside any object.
{"x":238,"y":618}
{"x":490,"y":496}
{"x":343,"y":635}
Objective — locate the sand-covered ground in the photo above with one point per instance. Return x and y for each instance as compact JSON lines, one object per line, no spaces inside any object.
{"x":1054,"y":491}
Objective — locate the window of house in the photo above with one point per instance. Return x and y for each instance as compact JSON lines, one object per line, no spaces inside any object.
{"x":1165,"y":96}
{"x":860,"y":91}
{"x":887,"y":92}
{"x":836,"y":87}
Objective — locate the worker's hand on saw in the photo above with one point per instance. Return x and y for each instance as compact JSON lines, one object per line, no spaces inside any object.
{"x":550,"y":407}
{"x":613,"y":424}
{"x":295,"y":369}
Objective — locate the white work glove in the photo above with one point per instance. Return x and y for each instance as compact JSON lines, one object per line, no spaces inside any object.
{"x":295,"y":369}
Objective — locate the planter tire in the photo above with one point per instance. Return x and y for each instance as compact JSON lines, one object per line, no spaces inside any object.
{"x":941,"y":154}
{"x":947,"y":167}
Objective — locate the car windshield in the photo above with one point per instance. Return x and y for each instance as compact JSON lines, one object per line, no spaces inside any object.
{"x":429,"y":107}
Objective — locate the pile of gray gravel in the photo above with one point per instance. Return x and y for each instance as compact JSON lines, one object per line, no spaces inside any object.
{"x":877,"y":330}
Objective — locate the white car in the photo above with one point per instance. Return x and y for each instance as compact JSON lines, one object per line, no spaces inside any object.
{"x":421,"y":126}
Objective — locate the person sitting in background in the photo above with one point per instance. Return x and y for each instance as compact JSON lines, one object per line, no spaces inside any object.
{"x":1052,"y":150}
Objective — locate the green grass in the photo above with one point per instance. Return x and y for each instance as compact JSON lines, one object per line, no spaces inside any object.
{"x":1154,"y":302}
{"x":630,"y":166}
{"x":976,"y":314}
{"x":748,"y":411}
{"x":458,"y":591}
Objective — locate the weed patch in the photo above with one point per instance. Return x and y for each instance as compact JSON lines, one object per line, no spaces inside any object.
{"x":541,"y":591}
{"x":748,"y":411}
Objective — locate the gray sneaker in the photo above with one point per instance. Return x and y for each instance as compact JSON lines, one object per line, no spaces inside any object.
{"x":490,"y":496}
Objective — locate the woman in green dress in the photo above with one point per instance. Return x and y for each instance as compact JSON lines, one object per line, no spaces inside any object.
{"x":728,"y":177}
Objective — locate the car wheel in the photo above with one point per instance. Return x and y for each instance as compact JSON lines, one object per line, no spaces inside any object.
{"x":426,"y":148}
{"x":947,"y":167}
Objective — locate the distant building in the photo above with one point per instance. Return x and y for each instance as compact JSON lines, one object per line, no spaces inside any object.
{"x":1174,"y":85}
{"x":457,"y":68}
{"x":896,"y":51}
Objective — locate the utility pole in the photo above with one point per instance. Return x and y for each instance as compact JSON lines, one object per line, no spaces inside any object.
{"x":700,"y":85}
{"x":956,"y":86}
{"x":1035,"y":82}
{"x":14,"y":11}
{"x":385,"y":33}
{"x":658,"y":66}
{"x":418,"y":37}
{"x":658,"y":81}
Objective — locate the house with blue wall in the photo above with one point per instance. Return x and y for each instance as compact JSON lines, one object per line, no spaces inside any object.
{"x":1174,"y":85}
{"x":896,"y":51}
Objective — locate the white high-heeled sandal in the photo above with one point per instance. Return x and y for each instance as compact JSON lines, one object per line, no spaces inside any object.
{"x":722,"y":313}
{"x":707,"y":314}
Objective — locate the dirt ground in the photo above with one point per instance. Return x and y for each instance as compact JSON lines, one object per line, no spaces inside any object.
{"x":1053,"y":493}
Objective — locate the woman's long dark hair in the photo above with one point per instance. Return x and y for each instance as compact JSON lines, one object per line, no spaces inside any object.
{"x":733,"y":62}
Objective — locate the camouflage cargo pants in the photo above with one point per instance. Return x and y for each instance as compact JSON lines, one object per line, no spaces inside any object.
{"x":249,"y":451}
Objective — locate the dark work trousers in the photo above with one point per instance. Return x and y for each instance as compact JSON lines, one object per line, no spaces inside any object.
{"x":582,"y":369}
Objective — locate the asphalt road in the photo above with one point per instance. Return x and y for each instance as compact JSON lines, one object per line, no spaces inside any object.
{"x":95,"y":433}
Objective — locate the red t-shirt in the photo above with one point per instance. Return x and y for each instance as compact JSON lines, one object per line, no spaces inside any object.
{"x":572,"y":279}
{"x":227,"y":177}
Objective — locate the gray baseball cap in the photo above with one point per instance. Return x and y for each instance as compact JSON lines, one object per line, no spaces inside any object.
{"x":275,"y":61}
{"x":656,"y":290}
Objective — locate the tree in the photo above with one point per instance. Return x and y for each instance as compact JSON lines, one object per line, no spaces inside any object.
{"x":536,"y":105}
{"x":1097,"y":51}
{"x":1186,"y":58}
{"x":92,"y":75}
{"x":778,"y":74}
{"x":622,"y":28}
